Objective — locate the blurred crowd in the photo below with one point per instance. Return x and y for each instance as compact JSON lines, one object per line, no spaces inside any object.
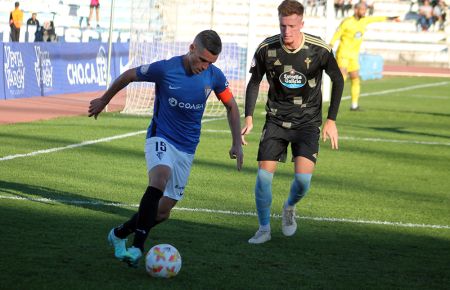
{"x":342,"y":8}
{"x":45,"y":32}
{"x":430,"y":14}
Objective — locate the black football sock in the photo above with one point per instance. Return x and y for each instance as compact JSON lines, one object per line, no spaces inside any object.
{"x":146,"y":217}
{"x":127,"y":228}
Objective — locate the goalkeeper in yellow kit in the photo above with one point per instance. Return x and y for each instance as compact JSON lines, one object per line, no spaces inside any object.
{"x":350,"y":33}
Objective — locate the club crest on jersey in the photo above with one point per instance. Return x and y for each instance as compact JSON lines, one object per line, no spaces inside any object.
{"x":292,"y":79}
{"x":207,"y":91}
{"x":144,"y":69}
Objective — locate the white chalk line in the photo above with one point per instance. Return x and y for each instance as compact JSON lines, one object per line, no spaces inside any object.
{"x":227,"y":212}
{"x":85,"y":143}
{"x":108,"y":139}
{"x":362,"y":139}
{"x":400,"y":90}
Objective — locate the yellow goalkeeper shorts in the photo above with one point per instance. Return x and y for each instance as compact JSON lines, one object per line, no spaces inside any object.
{"x":349,"y":63}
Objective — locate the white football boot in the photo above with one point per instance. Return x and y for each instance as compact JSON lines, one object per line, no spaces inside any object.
{"x":288,"y":223}
{"x":260,"y":237}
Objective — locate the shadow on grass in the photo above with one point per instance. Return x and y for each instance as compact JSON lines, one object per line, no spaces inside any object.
{"x":28,"y":191}
{"x":52,"y":249}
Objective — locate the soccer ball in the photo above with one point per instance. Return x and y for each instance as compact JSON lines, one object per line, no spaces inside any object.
{"x":163,"y":261}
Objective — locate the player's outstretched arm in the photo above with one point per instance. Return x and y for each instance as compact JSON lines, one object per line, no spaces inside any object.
{"x":97,"y":105}
{"x":235,"y":126}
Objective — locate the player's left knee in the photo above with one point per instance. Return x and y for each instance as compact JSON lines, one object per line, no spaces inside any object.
{"x":303,"y":183}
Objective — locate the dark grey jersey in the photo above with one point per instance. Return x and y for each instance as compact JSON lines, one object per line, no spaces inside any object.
{"x":295,"y":79}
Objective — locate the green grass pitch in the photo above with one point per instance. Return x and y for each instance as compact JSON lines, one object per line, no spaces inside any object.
{"x":377,"y":215}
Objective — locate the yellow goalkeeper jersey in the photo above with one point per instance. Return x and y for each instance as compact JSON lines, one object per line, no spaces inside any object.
{"x":350,"y":33}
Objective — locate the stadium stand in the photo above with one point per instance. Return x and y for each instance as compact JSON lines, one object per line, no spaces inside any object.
{"x":397,"y":43}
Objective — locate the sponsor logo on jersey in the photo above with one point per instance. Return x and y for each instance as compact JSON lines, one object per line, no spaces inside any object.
{"x":292,"y":79}
{"x":188,"y":106}
{"x":358,"y":34}
{"x":174,"y":87}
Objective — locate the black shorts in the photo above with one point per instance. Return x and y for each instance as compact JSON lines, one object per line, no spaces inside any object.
{"x":275,"y":140}
{"x":95,"y":6}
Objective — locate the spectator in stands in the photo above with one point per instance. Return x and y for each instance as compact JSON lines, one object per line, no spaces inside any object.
{"x":34,"y":23}
{"x":48,"y":32}
{"x":94,"y":4}
{"x":425,"y":20}
{"x":339,"y":6}
{"x":350,"y":33}
{"x":33,"y":20}
{"x":15,"y":22}
{"x":347,"y":6}
{"x":439,"y":14}
{"x":313,"y":7}
{"x":370,"y":6}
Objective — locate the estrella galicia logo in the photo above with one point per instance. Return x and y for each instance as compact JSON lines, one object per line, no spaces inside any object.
{"x":292,"y":79}
{"x":173,"y":102}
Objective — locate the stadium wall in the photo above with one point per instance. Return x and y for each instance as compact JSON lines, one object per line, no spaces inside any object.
{"x":45,"y":69}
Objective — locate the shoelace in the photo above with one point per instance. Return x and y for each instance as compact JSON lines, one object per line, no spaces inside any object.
{"x":289,"y":217}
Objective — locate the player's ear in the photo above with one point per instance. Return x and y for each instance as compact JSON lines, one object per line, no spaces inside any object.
{"x":191,"y":48}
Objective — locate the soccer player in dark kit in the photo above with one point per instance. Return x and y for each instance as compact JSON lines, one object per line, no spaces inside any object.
{"x":293,"y":62}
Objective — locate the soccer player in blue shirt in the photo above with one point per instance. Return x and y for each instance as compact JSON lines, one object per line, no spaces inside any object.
{"x":182,"y":86}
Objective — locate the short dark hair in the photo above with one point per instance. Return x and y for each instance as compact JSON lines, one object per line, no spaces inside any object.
{"x":289,"y":7}
{"x":16,"y":4}
{"x":209,"y":40}
{"x":359,"y":5}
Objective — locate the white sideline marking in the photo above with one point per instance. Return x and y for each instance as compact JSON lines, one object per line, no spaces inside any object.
{"x":362,"y":139}
{"x":227,"y":212}
{"x":107,"y":139}
{"x":400,"y":90}
{"x":85,"y":143}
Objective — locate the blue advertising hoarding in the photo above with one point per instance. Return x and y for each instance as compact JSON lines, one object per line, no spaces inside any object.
{"x":2,"y":77}
{"x":45,"y":69}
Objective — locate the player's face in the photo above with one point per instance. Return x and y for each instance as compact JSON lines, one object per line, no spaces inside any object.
{"x":361,"y":11}
{"x":200,"y":59}
{"x":290,"y":27}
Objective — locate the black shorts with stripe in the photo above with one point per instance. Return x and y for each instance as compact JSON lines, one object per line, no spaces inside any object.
{"x":275,"y":140}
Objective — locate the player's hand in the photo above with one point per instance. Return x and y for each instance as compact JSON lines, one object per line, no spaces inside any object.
{"x":330,"y":131}
{"x":96,"y":106}
{"x":246,"y":129}
{"x":237,"y":153}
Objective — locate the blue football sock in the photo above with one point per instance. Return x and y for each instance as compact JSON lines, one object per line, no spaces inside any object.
{"x":263,"y":196}
{"x":299,"y":188}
